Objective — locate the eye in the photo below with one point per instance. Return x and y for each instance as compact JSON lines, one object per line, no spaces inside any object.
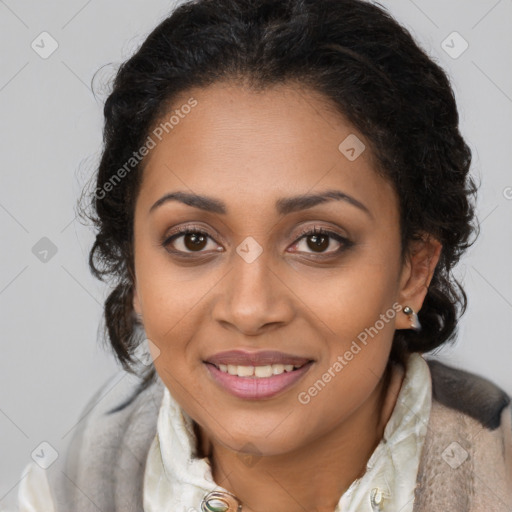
{"x":190,"y":239}
{"x":319,"y":239}
{"x":187,"y":239}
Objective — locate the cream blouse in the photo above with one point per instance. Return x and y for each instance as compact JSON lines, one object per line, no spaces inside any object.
{"x":175,"y":480}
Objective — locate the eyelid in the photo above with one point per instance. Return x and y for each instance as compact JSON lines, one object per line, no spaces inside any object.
{"x":311,"y":230}
{"x":183,"y":230}
{"x":344,"y":241}
{"x":190,"y":228}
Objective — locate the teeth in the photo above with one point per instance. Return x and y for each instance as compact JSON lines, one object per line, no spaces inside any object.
{"x":263,"y":371}
{"x":277,"y":369}
{"x":245,"y":371}
{"x":257,"y":371}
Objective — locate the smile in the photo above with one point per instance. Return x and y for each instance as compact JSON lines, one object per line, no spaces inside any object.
{"x":270,"y":374}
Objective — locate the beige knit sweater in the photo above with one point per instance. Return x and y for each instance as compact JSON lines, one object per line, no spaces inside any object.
{"x":470,"y":428}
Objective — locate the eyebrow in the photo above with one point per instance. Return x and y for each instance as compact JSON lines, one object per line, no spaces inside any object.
{"x":284,"y":205}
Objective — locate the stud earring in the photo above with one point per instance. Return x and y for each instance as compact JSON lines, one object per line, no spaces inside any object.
{"x":415,"y":323}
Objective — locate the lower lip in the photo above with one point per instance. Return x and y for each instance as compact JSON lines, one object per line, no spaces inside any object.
{"x":254,"y":388}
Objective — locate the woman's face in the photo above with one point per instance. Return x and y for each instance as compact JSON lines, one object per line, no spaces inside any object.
{"x":254,"y":172}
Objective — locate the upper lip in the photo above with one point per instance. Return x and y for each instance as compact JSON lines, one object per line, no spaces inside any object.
{"x":262,"y":358}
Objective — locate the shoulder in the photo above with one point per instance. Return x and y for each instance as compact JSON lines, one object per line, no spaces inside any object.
{"x":468,"y":393}
{"x":118,"y":407}
{"x":466,"y":460}
{"x":34,"y":492}
{"x":107,"y":453}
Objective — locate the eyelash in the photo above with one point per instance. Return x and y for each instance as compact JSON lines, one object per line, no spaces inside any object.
{"x":187,"y":230}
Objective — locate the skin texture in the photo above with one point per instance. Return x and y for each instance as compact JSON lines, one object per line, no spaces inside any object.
{"x":248,"y":149}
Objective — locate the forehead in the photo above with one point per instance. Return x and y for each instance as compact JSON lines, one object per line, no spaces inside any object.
{"x":252,"y":147}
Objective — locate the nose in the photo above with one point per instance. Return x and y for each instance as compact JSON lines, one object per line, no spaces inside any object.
{"x":253,"y":298}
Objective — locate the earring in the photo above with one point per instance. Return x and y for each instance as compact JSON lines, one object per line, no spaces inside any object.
{"x":415,"y":323}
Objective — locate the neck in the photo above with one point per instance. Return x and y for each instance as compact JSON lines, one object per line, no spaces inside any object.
{"x":315,"y":476}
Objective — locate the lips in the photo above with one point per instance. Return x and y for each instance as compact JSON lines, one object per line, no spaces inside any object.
{"x":256,"y":375}
{"x":262,"y":358}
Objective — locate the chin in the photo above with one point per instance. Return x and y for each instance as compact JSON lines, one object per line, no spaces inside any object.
{"x":266,"y":439}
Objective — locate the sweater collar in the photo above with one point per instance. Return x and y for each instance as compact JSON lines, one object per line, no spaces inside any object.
{"x":175,"y":479}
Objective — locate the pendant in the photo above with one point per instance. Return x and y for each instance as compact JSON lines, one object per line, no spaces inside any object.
{"x":220,"y":501}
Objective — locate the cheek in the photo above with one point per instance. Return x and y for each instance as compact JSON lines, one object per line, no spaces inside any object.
{"x":331,"y":401}
{"x":355,"y":361}
{"x":169,"y":295}
{"x":357,"y":319}
{"x":348,"y":299}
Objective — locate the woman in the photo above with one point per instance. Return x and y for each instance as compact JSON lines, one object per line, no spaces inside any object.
{"x":282,"y":196}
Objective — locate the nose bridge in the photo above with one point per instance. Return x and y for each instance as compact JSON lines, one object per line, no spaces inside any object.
{"x":252,"y":295}
{"x":251,"y":273}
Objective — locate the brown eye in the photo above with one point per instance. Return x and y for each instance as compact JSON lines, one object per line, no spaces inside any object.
{"x":187,"y":240}
{"x":194,"y":241}
{"x":318,"y":240}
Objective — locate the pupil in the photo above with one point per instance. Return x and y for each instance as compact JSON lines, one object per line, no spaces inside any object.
{"x":319,"y":242}
{"x":193,"y":241}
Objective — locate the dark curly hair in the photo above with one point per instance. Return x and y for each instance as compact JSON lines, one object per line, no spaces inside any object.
{"x":370,"y":70}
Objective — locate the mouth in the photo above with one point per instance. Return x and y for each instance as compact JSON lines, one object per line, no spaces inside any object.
{"x":256,"y":375}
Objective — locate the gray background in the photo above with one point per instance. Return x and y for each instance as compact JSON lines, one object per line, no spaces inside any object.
{"x":51,"y":360}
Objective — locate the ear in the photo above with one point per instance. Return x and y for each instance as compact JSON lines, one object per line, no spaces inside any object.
{"x":418,"y":269}
{"x":136,"y":302}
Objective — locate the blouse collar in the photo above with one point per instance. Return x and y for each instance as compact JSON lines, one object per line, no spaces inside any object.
{"x":175,"y":479}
